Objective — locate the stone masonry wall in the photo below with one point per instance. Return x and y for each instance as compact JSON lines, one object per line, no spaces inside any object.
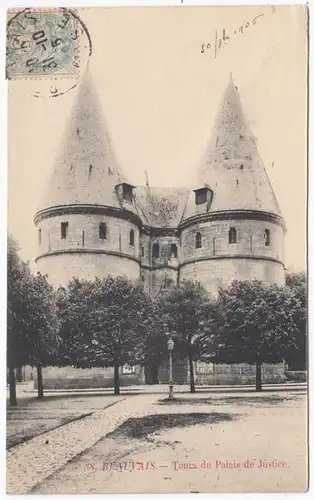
{"x":250,"y":239}
{"x":62,"y":267}
{"x":213,"y":274}
{"x":219,"y":270}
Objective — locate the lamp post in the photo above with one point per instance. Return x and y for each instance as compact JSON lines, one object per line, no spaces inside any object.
{"x":170,"y":345}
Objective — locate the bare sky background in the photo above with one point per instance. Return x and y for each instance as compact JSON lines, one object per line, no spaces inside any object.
{"x":160,"y":95}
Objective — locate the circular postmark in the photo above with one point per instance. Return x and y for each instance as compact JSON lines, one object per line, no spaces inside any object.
{"x":48,"y":45}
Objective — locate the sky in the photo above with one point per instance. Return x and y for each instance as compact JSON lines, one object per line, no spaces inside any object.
{"x":160,"y":89}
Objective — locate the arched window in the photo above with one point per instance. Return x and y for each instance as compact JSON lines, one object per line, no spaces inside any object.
{"x":267,"y":237}
{"x":132,"y":238}
{"x":102,"y":231}
{"x":198,"y":240}
{"x":232,"y":235}
{"x":155,"y":252}
{"x":39,"y":236}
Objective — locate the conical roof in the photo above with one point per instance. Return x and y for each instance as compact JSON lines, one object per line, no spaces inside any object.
{"x":85,"y":171}
{"x":232,"y":166}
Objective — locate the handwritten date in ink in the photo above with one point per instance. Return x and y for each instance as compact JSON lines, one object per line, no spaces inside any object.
{"x":225,"y":36}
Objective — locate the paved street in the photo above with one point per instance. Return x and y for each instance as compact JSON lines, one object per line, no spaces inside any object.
{"x":228,"y":427}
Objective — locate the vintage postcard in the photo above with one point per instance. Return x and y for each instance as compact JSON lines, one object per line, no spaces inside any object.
{"x":157,"y":260}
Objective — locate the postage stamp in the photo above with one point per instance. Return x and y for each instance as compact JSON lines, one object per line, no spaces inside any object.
{"x":42,"y":42}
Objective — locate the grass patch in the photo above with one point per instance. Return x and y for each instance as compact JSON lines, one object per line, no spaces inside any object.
{"x":140,"y":428}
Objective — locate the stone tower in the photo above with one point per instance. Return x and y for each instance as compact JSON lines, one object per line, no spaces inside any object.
{"x":232,"y":227}
{"x":88,"y":223}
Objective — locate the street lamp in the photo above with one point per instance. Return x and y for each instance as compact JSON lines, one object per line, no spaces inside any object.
{"x":170,"y":345}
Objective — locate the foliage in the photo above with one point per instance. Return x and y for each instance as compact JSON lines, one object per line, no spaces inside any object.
{"x":42,"y":327}
{"x":297,"y":354}
{"x":184,"y":313}
{"x":256,"y":323}
{"x":31,"y":310}
{"x":104,"y":322}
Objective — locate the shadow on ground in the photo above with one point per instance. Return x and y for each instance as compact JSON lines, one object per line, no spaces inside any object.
{"x":140,"y":428}
{"x":236,"y":401}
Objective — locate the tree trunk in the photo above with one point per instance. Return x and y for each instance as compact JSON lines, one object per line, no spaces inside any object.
{"x":258,"y":376}
{"x":40,"y":386}
{"x":191,"y":367}
{"x":116,"y":379}
{"x":13,"y":401}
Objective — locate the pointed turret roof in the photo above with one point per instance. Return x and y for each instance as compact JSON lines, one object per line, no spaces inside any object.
{"x":85,"y":171}
{"x":232,"y":166}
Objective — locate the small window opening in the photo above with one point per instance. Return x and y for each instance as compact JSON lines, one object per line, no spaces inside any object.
{"x":64,"y":230}
{"x":127,"y":192}
{"x":90,"y":170}
{"x":237,"y":181}
{"x":102,"y":231}
{"x":155,"y":252}
{"x":198,"y":240}
{"x":232,"y":235}
{"x":132,"y":238}
{"x":142,"y":251}
{"x":173,"y":251}
{"x":200,"y":196}
{"x":267,"y":237}
{"x":39,"y":236}
{"x":142,"y":278}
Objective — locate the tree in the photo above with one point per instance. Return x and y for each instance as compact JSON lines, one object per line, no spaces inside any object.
{"x":18,"y":278}
{"x":256,"y":324}
{"x":31,"y":318}
{"x":42,"y":326}
{"x":185,"y":312}
{"x":297,"y":355}
{"x":106,"y":324}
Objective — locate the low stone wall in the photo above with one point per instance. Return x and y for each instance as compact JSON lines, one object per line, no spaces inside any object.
{"x":237,"y":374}
{"x":68,"y":377}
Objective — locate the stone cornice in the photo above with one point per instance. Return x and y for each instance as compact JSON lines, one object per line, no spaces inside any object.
{"x":88,"y":250}
{"x":234,"y":215}
{"x":232,"y":256}
{"x":56,"y":211}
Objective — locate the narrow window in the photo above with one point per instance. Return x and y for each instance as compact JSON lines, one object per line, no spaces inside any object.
{"x":200,"y":197}
{"x":173,"y":251}
{"x":127,"y":192}
{"x":155,"y":250}
{"x":142,"y":278}
{"x":102,"y":231}
{"x":64,"y":230}
{"x":198,"y":240}
{"x":132,"y":238}
{"x":232,"y":235}
{"x":83,"y":238}
{"x":39,"y":236}
{"x":267,"y":237}
{"x":142,"y":251}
